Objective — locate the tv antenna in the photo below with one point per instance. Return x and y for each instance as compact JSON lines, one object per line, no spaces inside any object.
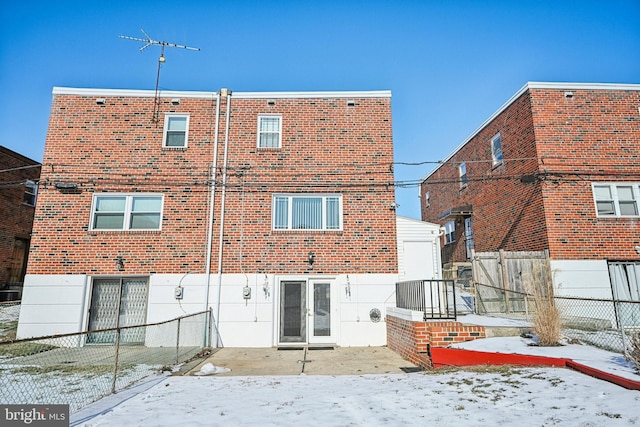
{"x":148,"y":42}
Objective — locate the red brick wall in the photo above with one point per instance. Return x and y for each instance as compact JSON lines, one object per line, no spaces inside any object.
{"x":16,"y":218}
{"x":569,"y":142}
{"x":327,"y":147}
{"x":412,"y":340}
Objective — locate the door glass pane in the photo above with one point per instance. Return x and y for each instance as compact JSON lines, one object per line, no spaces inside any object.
{"x":105,"y":301}
{"x":293,"y":312}
{"x":321,"y":310}
{"x":133,"y":310}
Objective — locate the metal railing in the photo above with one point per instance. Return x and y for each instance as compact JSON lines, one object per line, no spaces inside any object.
{"x":69,"y":369}
{"x":435,"y":298}
{"x":605,"y":323}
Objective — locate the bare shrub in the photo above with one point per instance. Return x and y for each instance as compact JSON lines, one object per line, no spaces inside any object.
{"x":547,"y":322}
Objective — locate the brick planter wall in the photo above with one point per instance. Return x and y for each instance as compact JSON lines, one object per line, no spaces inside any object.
{"x":412,"y":338}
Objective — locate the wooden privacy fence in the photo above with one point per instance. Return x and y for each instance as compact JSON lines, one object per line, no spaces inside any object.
{"x":509,"y":276}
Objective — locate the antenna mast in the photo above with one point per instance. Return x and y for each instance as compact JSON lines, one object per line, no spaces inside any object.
{"x":148,"y":42}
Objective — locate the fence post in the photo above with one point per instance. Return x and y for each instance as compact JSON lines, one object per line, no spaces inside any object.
{"x":115,"y":365}
{"x":505,"y":280}
{"x":178,"y":343}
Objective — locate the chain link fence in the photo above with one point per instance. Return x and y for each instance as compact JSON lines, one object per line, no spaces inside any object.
{"x":604,"y":323}
{"x":80,"y":368}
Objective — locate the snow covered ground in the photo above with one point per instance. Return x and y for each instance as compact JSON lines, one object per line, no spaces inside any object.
{"x":498,"y":396}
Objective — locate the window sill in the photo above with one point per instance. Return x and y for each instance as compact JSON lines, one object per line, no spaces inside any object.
{"x":126,"y":232}
{"x":337,"y":232}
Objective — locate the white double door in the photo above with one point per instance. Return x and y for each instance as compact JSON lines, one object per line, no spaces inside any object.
{"x":307,"y":311}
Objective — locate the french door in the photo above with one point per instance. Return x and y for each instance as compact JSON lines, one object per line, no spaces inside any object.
{"x":117,"y":302}
{"x":306,"y":312}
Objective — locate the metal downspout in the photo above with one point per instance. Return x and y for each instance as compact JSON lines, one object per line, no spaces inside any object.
{"x":211,"y":211}
{"x":222,"y":206}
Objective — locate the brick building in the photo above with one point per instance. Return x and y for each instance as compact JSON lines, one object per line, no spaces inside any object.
{"x":19,"y":177}
{"x":556,"y":168}
{"x":274,"y":209}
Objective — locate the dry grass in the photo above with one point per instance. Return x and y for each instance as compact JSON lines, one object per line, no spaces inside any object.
{"x":634,"y":354}
{"x":547,"y":322}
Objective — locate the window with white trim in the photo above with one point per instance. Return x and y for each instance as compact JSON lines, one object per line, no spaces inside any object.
{"x":618,"y":199}
{"x":30,"y":193}
{"x":462,"y":172}
{"x":126,"y":211}
{"x":307,"y":212}
{"x":269,"y":131}
{"x":176,"y":130}
{"x":449,"y":232}
{"x":496,"y":149}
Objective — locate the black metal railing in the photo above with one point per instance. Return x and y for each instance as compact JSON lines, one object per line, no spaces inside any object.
{"x":435,"y":298}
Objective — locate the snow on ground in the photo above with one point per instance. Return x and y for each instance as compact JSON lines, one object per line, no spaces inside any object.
{"x":526,"y":397}
{"x":499,"y":396}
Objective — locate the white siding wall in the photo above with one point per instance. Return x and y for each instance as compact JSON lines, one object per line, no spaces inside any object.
{"x":59,"y":304}
{"x":422,"y":237}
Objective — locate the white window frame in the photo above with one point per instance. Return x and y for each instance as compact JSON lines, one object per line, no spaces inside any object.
{"x":462,"y":173}
{"x":496,"y":155}
{"x":615,"y":198}
{"x":449,"y":232}
{"x":30,"y":193}
{"x":278,"y":132}
{"x":290,"y":198}
{"x":167,"y":120}
{"x":127,"y":212}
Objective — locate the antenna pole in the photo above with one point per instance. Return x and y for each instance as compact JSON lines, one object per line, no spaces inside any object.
{"x":148,"y":42}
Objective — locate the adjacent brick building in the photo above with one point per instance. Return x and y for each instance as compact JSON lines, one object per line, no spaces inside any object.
{"x":19,"y":177}
{"x":263,"y":206}
{"x":556,"y":168}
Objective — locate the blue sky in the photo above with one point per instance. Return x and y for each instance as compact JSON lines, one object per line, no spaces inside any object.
{"x":449,"y":64}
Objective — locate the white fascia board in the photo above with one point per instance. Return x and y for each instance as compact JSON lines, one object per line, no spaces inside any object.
{"x":338,"y":94}
{"x":243,"y":95}
{"x":131,"y":93}
{"x":523,"y":89}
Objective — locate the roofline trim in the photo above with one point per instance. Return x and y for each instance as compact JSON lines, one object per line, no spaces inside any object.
{"x":518,"y":94}
{"x":243,"y":95}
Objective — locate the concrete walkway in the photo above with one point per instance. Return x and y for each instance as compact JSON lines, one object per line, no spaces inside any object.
{"x":310,"y":361}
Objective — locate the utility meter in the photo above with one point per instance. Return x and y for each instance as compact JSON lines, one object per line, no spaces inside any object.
{"x":178,"y":292}
{"x":246,"y":292}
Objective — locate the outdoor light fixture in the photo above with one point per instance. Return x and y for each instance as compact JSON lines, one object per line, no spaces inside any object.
{"x":175,"y":101}
{"x":101,"y":101}
{"x":271,"y":102}
{"x":311,"y":258}
{"x":120,"y":263}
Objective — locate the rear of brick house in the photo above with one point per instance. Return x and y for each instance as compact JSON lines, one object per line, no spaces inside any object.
{"x":272,"y":209}
{"x":556,"y":168}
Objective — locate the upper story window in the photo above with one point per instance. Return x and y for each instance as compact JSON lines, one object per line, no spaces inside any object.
{"x":462,"y":172}
{"x":126,"y":211}
{"x":269,"y":131}
{"x":307,"y":212}
{"x":30,"y":193}
{"x":449,"y":232}
{"x":176,"y":130}
{"x":617,"y":200}
{"x":496,"y":149}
